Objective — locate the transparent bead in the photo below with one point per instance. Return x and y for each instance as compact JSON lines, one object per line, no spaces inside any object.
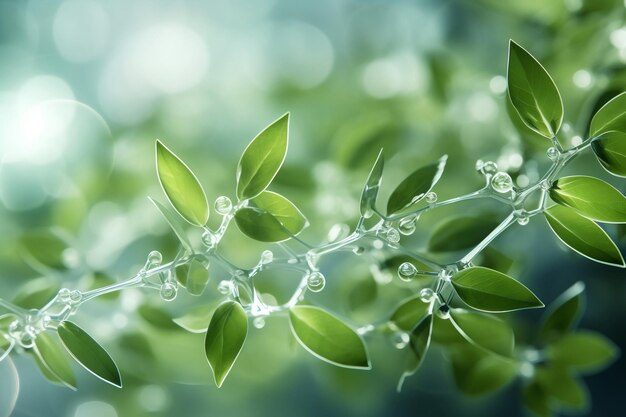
{"x":316,"y":281}
{"x":258,"y":322}
{"x":479,"y":165}
{"x":407,"y":225}
{"x":407,"y":271}
{"x":393,"y":236}
{"x":431,"y":197}
{"x":26,"y":339}
{"x":400,"y":340}
{"x":502,"y":182}
{"x":168,"y":291}
{"x":76,"y":296}
{"x":15,"y":329}
{"x":553,"y":153}
{"x":208,"y":239}
{"x":427,"y":295}
{"x":489,"y":168}
{"x":267,"y":256}
{"x":64,"y":295}
{"x":154,"y":259}
{"x":523,"y":220}
{"x":545,"y":185}
{"x":443,"y":312}
{"x":223,"y":205}
{"x":224,"y":287}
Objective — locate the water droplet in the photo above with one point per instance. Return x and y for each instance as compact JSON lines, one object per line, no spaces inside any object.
{"x":393,"y":236}
{"x":208,"y":239}
{"x":224,"y":287}
{"x":258,"y":322}
{"x":27,"y":339}
{"x":15,"y":329}
{"x":479,"y":165}
{"x":407,"y":271}
{"x":400,"y":340}
{"x":489,"y":168}
{"x":553,"y":153}
{"x":443,"y":312}
{"x":358,"y":250}
{"x":267,"y":257}
{"x":523,"y":219}
{"x":545,"y":185}
{"x":446,"y":273}
{"x":316,"y":281}
{"x":168,"y":291}
{"x":223,"y":205}
{"x":431,"y":197}
{"x":502,"y":182}
{"x":427,"y":295}
{"x":154,"y":259}
{"x":312,"y":258}
{"x":64,"y":295}
{"x":407,"y":225}
{"x":76,"y":296}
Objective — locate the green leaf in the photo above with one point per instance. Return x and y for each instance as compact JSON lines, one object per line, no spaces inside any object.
{"x":156,"y":317}
{"x":591,"y":197}
{"x":36,"y":293}
{"x":327,"y":337}
{"x":262,"y":159}
{"x":460,"y":233}
{"x":492,"y":291}
{"x":414,"y":187}
{"x":563,"y":313}
{"x":270,"y":217}
{"x":363,"y":293}
{"x":225,"y":337}
{"x":610,"y":149}
{"x":444,"y":333}
{"x":487,"y":332}
{"x":536,"y":399}
{"x":89,"y":353}
{"x":409,"y":313}
{"x":175,"y":224}
{"x":561,"y":385}
{"x":419,"y":342}
{"x":583,"y":236}
{"x":583,"y":351}
{"x":533,"y":93}
{"x":611,"y":116}
{"x":197,"y":319}
{"x":478,"y":373}
{"x":181,"y":187}
{"x":372,"y":185}
{"x":53,"y":358}
{"x":45,"y":247}
{"x":197,"y":278}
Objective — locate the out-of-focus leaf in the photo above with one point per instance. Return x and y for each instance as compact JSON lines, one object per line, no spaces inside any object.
{"x":444,"y":333}
{"x":560,"y":384}
{"x":45,"y":247}
{"x":197,"y":319}
{"x":563,"y":313}
{"x":460,"y":233}
{"x":414,"y":187}
{"x":175,"y":224}
{"x":419,"y":342}
{"x":478,"y":373}
{"x":225,"y":337}
{"x":372,"y":185}
{"x":494,"y":259}
{"x":328,"y":338}
{"x":53,"y":358}
{"x":157,"y":317}
{"x":36,"y":293}
{"x":536,"y":399}
{"x":363,"y":293}
{"x":270,"y":218}
{"x":583,"y":351}
{"x":181,"y":187}
{"x":583,"y":236}
{"x":89,"y":353}
{"x":533,"y":93}
{"x":484,"y":331}
{"x":409,"y":313}
{"x":492,"y":291}
{"x":591,"y":197}
{"x":262,"y":159}
{"x":610,"y":149}
{"x":611,"y":116}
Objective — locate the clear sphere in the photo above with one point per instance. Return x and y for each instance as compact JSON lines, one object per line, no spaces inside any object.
{"x":258,"y":322}
{"x":427,"y":295}
{"x":553,"y":153}
{"x":502,"y":182}
{"x":155,"y":258}
{"x":479,"y":165}
{"x":407,"y":271}
{"x":64,"y":294}
{"x":407,"y":225}
{"x":393,"y":236}
{"x":26,"y":339}
{"x":208,"y":239}
{"x":168,"y":291}
{"x":224,"y":287}
{"x":316,"y":281}
{"x":489,"y":168}
{"x":76,"y":296}
{"x":431,"y":197}
{"x":267,"y":257}
{"x":400,"y":340}
{"x":523,"y":220}
{"x":223,"y":205}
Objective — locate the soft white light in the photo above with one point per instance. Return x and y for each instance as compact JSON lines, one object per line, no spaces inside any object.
{"x":153,"y":398}
{"x":481,"y":107}
{"x":498,"y":84}
{"x":95,"y":409}
{"x":618,"y":38}
{"x":582,"y":79}
{"x":522,"y":181}
{"x":80,"y":30}
{"x":402,"y":73}
{"x":576,"y":140}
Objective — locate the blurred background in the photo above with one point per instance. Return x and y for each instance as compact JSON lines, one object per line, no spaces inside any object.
{"x":87,"y":86}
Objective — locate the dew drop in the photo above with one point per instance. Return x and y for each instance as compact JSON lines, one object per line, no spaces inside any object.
{"x":427,"y":295}
{"x":26,"y":339}
{"x":154,"y":259}
{"x":523,"y":220}
{"x":407,"y":271}
{"x":15,"y":329}
{"x":64,"y":295}
{"x":224,"y":287}
{"x":393,"y":236}
{"x":267,"y":256}
{"x":208,"y":239}
{"x":502,"y":182}
{"x":553,"y":153}
{"x":168,"y":291}
{"x":76,"y":296}
{"x":400,"y":340}
{"x":407,"y":225}
{"x":489,"y":168}
{"x":479,"y":165}
{"x":258,"y":322}
{"x":223,"y":205}
{"x":431,"y":197}
{"x":443,"y":312}
{"x":316,"y":281}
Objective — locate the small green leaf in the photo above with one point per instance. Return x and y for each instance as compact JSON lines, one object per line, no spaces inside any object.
{"x":89,"y":353}
{"x":363,"y":293}
{"x":611,"y":116}
{"x":591,"y":197}
{"x":197,"y":319}
{"x":478,"y":373}
{"x":197,"y":278}
{"x":444,"y":333}
{"x":536,"y":399}
{"x":181,"y":187}
{"x":36,"y":293}
{"x":372,"y":185}
{"x":460,"y":233}
{"x":563,"y":313}
{"x":610,"y":149}
{"x":561,"y":385}
{"x":492,"y":291}
{"x":327,"y":337}
{"x":262,"y":159}
{"x":414,"y":187}
{"x":225,"y":337}
{"x":156,"y":317}
{"x":583,"y":236}
{"x":583,"y":351}
{"x":419,"y":342}
{"x":533,"y":92}
{"x":409,"y":313}
{"x":270,"y":217}
{"x":175,"y":224}
{"x":487,"y":332}
{"x":53,"y":358}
